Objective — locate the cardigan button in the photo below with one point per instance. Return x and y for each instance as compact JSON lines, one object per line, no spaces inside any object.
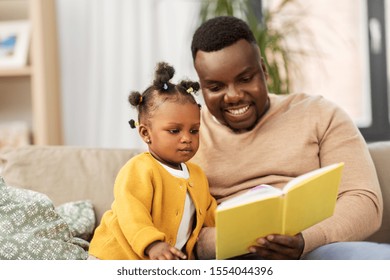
{"x":191,"y":184}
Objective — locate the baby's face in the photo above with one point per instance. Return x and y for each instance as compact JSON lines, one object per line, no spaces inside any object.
{"x":174,"y":132}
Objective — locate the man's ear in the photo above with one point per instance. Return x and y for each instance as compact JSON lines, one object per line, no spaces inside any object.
{"x":143,"y":131}
{"x":261,"y":61}
{"x":264,"y":67}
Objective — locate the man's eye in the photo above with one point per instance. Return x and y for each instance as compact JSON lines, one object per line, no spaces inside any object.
{"x":214,"y":88}
{"x":173,"y":131}
{"x":246,"y":79}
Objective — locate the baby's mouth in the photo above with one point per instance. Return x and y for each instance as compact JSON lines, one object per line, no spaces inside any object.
{"x":186,"y":150}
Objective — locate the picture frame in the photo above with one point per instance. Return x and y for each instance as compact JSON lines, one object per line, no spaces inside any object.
{"x":14,"y":43}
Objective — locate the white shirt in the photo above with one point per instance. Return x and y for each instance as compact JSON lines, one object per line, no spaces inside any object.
{"x":185,"y":227}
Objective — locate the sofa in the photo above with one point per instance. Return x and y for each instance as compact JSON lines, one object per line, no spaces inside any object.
{"x":70,"y":174}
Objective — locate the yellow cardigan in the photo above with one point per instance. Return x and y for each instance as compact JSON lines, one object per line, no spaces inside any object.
{"x":148,"y":206}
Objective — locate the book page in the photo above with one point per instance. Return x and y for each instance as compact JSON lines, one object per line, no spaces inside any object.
{"x":309,"y":175}
{"x":312,"y":200}
{"x":238,"y":228}
{"x":256,"y":193}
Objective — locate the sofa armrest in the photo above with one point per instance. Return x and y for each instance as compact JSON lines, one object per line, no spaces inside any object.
{"x":380,"y":153}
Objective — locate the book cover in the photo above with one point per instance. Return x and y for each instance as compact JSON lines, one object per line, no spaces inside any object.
{"x":263,"y":210}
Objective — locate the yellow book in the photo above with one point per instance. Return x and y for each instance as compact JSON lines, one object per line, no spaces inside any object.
{"x":263,"y":210}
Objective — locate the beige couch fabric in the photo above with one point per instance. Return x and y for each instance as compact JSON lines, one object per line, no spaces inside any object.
{"x":66,"y":173}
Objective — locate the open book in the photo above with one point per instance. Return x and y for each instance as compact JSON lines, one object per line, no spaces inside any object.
{"x":263,"y":210}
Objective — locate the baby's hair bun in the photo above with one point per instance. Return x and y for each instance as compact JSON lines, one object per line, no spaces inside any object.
{"x":164,"y":73}
{"x":132,"y":123}
{"x":135,"y":98}
{"x":190,"y":86}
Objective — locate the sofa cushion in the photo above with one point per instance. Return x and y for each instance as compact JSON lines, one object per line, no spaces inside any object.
{"x":80,"y":217}
{"x":66,"y":173}
{"x":380,"y":153}
{"x":31,"y":229}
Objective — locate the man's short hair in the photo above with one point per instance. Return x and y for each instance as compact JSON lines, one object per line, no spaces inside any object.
{"x":220,"y":32}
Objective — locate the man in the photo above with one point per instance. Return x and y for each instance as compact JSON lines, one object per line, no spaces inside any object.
{"x":251,"y":137}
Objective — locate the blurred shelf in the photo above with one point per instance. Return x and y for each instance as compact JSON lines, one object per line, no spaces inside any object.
{"x":38,"y":82}
{"x":25,"y":71}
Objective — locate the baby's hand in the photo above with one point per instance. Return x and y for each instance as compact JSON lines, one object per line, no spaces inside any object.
{"x":163,"y":251}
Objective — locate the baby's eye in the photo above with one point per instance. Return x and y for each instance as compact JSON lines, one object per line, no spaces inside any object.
{"x":174,"y":131}
{"x":194,"y":131}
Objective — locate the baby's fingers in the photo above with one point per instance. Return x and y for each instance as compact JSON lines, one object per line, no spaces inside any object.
{"x":179,"y":254}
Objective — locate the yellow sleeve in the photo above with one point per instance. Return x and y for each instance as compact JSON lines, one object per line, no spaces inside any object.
{"x":133,"y":193}
{"x":210,"y":216}
{"x":212,"y":203}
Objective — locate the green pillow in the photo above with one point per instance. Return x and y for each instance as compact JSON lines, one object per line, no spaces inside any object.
{"x":80,"y":217}
{"x":31,"y":229}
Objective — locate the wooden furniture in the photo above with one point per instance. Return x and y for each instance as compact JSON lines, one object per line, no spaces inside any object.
{"x":32,"y":93}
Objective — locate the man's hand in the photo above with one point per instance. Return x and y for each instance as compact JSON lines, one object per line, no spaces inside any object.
{"x":279,"y":247}
{"x":163,"y":251}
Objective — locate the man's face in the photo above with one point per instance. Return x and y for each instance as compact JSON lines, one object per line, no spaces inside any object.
{"x":233,"y":84}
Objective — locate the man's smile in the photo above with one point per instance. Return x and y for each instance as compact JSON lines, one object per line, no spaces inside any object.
{"x":238,"y":111}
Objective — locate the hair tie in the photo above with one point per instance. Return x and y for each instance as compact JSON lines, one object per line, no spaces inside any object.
{"x":165,"y":86}
{"x":140,"y":99}
{"x":190,"y":90}
{"x":133,"y":123}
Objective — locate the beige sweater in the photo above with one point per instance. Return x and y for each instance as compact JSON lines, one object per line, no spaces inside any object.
{"x":299,"y":133}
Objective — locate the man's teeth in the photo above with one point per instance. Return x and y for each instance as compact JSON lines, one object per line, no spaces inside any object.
{"x":238,"y":111}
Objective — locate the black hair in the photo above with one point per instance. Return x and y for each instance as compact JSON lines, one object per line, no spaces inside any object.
{"x":220,"y":32}
{"x":161,"y":90}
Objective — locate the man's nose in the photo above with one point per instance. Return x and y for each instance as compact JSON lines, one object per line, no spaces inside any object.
{"x":233,"y":95}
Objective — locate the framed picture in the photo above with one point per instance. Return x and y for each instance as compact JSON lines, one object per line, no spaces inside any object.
{"x":14,"y":43}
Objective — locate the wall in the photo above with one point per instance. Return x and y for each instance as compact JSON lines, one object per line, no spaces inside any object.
{"x":111,"y":47}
